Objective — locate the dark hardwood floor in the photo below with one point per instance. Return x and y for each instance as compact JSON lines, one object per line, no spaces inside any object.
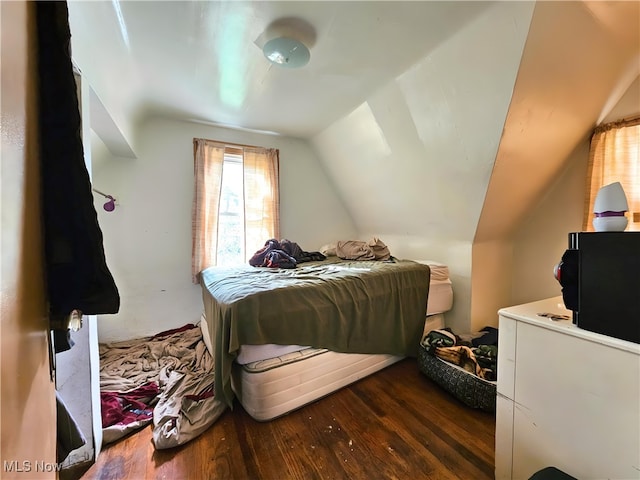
{"x":394,"y":424}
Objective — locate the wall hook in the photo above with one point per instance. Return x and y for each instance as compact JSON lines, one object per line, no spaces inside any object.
{"x":110,"y":205}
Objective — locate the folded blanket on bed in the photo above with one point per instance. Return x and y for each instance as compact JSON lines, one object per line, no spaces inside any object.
{"x":375,"y":249}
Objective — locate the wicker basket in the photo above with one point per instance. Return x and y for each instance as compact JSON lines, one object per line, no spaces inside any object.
{"x":466,"y":387}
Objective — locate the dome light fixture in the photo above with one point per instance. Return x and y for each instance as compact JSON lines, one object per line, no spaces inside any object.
{"x":286,"y":52}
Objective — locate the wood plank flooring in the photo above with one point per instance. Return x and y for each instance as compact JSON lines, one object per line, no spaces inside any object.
{"x":394,"y":424}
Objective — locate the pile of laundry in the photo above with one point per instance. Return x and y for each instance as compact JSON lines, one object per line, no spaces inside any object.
{"x":374,"y":249}
{"x":476,"y":352}
{"x":282,"y":254}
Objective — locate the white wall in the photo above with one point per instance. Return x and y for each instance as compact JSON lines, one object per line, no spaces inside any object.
{"x":84,"y":20}
{"x":539,"y":243}
{"x":492,"y":267}
{"x":628,"y":105}
{"x":519,"y":269}
{"x":148,"y":237}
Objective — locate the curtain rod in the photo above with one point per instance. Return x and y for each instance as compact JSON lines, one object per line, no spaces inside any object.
{"x":625,"y":122}
{"x":227,"y":144}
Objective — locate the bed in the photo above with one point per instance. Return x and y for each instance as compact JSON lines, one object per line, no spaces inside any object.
{"x":283,"y":338}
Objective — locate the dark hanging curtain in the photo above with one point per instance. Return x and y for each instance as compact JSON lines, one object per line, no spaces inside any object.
{"x":76,"y":270}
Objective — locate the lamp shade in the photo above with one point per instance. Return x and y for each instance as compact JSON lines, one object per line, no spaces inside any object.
{"x":609,"y":209}
{"x":286,"y":52}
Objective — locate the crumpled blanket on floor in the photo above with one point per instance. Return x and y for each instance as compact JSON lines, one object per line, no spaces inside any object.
{"x":179,"y":365}
{"x":124,"y":412}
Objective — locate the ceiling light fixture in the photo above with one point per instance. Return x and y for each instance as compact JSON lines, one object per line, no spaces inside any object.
{"x":286,"y":52}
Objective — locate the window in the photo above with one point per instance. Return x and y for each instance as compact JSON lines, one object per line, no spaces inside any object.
{"x":230,"y":247}
{"x":615,"y":157}
{"x":236,"y":202}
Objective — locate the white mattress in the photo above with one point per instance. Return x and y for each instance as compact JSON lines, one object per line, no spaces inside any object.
{"x":255,"y":353}
{"x":439,"y":271}
{"x":267,"y":392}
{"x":440,"y":298}
{"x":273,"y":387}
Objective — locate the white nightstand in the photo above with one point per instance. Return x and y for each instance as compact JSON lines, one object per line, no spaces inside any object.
{"x":567,"y":397}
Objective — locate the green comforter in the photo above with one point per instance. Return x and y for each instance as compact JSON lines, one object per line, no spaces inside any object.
{"x":344,"y":306}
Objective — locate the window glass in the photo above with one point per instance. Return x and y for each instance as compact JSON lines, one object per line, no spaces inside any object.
{"x":231,"y":215}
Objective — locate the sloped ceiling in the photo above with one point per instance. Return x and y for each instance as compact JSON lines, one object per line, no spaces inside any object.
{"x":415,"y":158}
{"x":408,"y":104}
{"x":580,"y":58}
{"x":202,"y":59}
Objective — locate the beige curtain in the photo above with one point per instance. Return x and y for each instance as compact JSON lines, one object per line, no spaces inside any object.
{"x":615,"y":157}
{"x":261,"y":198}
{"x":208,"y":160}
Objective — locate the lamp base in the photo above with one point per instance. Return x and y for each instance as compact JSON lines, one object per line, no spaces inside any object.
{"x":610,"y":224}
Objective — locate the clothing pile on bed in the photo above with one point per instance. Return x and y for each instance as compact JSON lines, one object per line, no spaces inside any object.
{"x":282,"y":254}
{"x":464,"y":364}
{"x":374,"y":249}
{"x":166,"y":379}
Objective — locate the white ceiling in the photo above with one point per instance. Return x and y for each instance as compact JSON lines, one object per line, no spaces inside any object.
{"x":202,"y":60}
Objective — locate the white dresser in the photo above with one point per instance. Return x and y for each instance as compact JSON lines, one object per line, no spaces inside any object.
{"x":567,"y":397}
